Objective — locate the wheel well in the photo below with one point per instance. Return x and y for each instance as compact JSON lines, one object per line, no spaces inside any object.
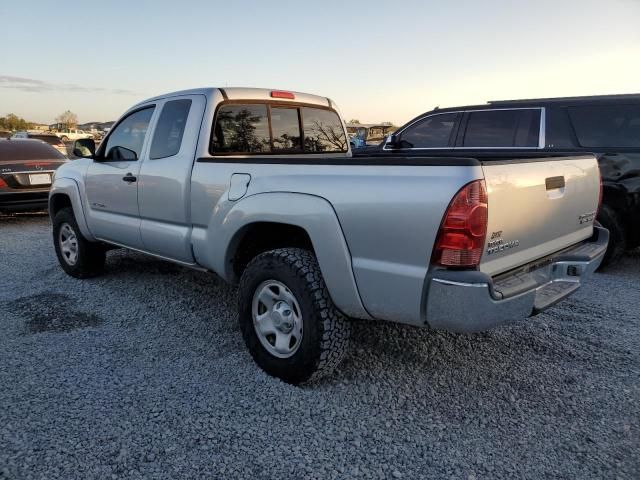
{"x":615,"y":198}
{"x":58,"y":202}
{"x":261,"y":237}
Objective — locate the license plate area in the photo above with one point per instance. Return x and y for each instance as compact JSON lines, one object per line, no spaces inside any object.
{"x":39,"y":179}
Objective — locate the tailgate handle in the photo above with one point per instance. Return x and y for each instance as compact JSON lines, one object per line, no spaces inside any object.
{"x":554,"y":182}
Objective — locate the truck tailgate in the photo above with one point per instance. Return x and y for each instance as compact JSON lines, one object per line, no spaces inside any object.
{"x":537,"y":207}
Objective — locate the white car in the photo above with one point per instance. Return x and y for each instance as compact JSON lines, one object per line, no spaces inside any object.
{"x":72,"y":134}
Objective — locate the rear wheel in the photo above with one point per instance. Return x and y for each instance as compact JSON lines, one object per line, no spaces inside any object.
{"x":77,"y":256}
{"x":610,"y":220}
{"x":288,"y":321}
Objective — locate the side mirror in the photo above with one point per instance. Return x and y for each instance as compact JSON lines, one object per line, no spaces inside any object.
{"x":84,"y":148}
{"x":392,"y":141}
{"x":121,"y":154}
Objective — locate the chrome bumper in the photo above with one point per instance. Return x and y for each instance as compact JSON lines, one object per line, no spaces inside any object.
{"x":464,"y":301}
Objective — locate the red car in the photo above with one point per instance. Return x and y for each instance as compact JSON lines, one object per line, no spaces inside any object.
{"x":26,"y":169}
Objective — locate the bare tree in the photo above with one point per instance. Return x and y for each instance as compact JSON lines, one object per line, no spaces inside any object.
{"x":67,"y":119}
{"x":324,"y":134}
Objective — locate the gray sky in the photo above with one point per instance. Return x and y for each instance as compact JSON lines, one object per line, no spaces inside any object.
{"x":385,"y":61}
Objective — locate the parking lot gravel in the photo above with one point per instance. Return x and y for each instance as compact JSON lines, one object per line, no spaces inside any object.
{"x":142,"y":373}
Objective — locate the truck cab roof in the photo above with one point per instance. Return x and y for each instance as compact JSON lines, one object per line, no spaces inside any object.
{"x":245,"y":93}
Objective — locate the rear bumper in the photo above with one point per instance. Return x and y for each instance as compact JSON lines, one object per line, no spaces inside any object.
{"x":24,"y":200}
{"x":463,"y":301}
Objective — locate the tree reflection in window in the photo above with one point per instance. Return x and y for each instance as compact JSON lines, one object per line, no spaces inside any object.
{"x":323,"y":131}
{"x":286,"y":142}
{"x":242,"y":129}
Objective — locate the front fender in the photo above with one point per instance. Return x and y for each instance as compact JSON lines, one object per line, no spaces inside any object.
{"x":315,"y":215}
{"x":69,"y":188}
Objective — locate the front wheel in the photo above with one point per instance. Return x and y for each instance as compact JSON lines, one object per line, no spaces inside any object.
{"x":288,"y":321}
{"x":77,"y":256}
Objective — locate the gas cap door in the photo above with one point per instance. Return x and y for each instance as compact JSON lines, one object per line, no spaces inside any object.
{"x":238,"y":187}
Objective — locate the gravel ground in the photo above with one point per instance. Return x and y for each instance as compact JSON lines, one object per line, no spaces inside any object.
{"x":142,"y":373}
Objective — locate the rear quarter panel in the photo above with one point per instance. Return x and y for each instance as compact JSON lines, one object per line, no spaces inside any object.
{"x":389,"y":214}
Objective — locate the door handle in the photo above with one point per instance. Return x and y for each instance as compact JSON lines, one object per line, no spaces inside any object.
{"x":129,"y":178}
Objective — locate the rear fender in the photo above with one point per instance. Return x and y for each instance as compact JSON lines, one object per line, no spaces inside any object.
{"x":216,"y":247}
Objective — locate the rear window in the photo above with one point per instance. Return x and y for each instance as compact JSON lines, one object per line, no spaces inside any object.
{"x":265,"y":129}
{"x":607,"y":125}
{"x":503,"y":128}
{"x":323,"y":131}
{"x":16,"y":150}
{"x":167,"y":137}
{"x":50,"y":139}
{"x":285,"y":125}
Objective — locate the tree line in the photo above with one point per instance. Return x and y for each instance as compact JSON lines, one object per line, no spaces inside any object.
{"x":13,"y":122}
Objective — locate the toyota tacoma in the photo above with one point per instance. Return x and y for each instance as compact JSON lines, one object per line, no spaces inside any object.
{"x":260,"y":187}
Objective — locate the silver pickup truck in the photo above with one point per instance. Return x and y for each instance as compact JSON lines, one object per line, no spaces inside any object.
{"x":260,"y":187}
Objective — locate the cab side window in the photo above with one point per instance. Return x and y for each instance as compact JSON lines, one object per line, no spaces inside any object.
{"x":432,"y":132}
{"x":126,"y":140}
{"x":241,"y":129}
{"x":168,"y":133}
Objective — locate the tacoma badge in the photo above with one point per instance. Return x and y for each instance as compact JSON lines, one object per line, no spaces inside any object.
{"x":497,"y":244}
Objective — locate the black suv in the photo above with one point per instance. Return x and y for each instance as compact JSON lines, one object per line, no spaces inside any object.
{"x":607,"y":125}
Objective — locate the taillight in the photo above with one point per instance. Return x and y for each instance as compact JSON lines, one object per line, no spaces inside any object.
{"x":37,"y":164}
{"x":460,"y":241}
{"x":3,"y":184}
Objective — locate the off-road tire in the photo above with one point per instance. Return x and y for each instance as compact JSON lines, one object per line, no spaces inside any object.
{"x":91,"y":255}
{"x":326,"y":331}
{"x":610,"y":220}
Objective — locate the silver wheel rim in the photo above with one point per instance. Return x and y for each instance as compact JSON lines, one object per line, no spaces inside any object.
{"x":277,"y":318}
{"x":68,"y":244}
